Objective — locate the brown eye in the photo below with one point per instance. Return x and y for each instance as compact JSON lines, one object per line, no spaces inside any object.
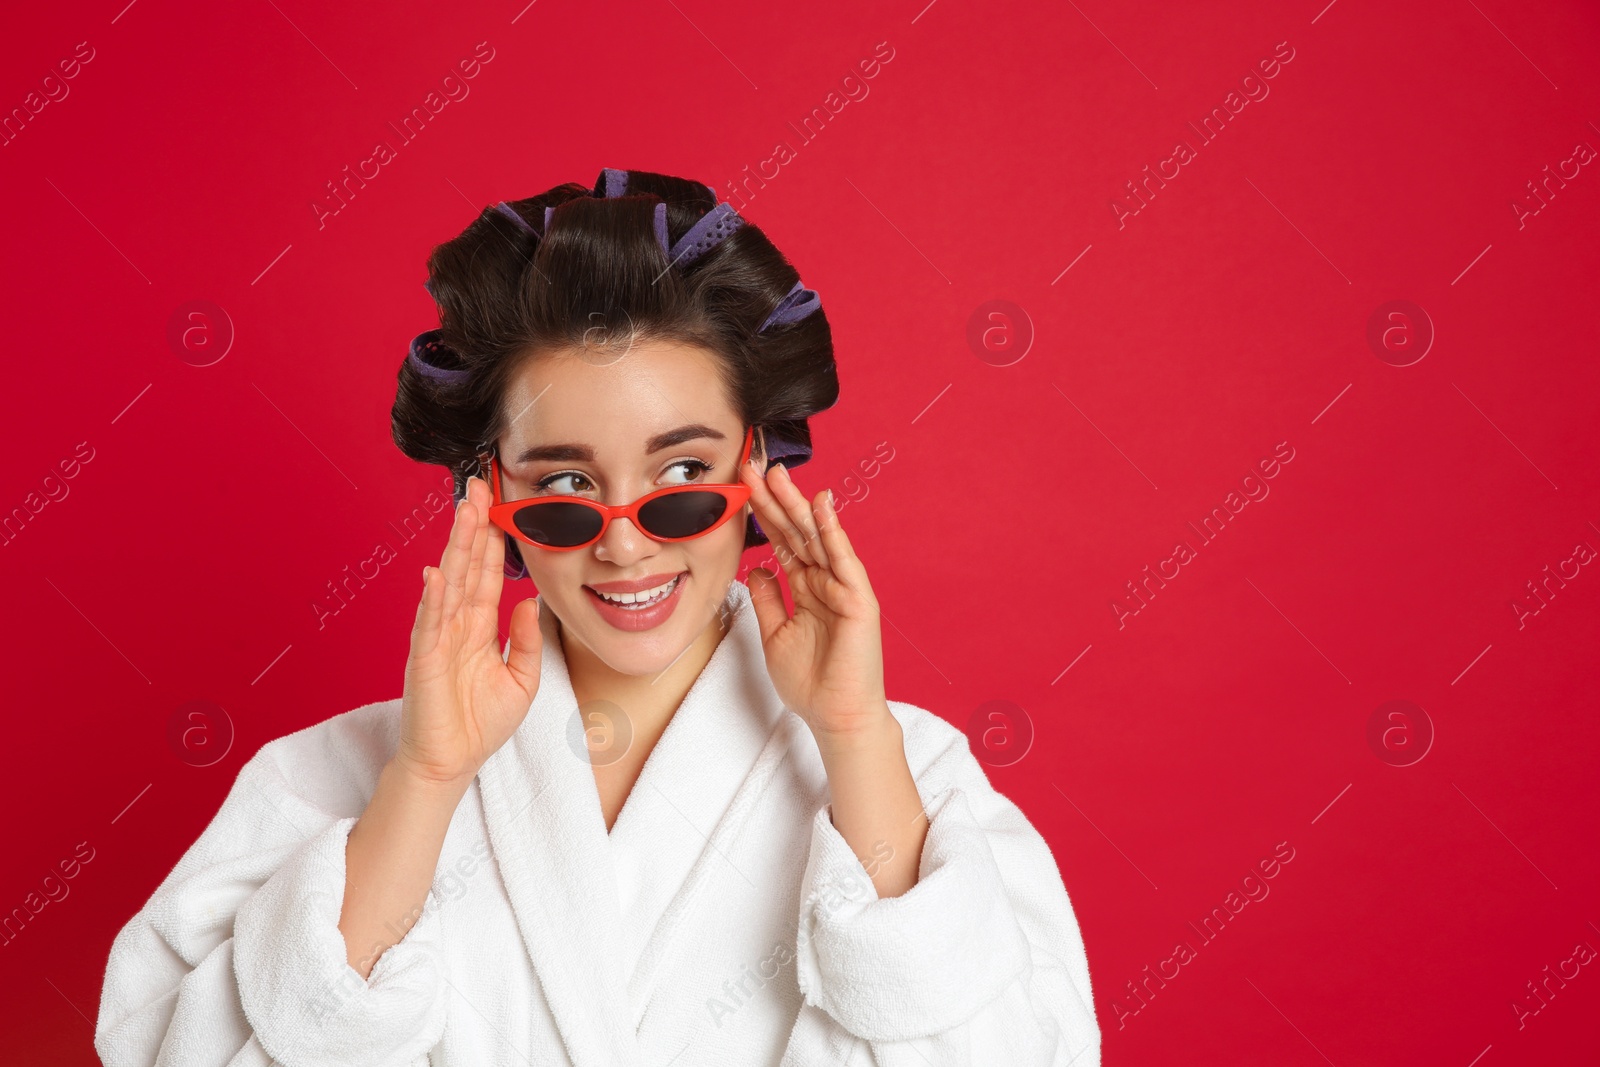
{"x":693,"y":469}
{"x":564,"y":483}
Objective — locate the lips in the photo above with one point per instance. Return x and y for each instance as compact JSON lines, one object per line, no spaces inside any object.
{"x":635,"y":585}
{"x":632,"y":617}
{"x":635,"y":601}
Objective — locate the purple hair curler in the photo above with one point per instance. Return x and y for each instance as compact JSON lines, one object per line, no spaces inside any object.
{"x":511,"y":213}
{"x":796,"y":304}
{"x":708,"y":232}
{"x":426,"y":344}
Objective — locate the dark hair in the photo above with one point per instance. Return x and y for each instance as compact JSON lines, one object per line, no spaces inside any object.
{"x":513,"y":285}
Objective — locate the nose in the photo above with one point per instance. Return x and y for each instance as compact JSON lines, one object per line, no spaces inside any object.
{"x":623,"y":544}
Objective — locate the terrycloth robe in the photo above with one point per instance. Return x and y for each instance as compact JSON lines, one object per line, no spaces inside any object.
{"x":723,"y":920}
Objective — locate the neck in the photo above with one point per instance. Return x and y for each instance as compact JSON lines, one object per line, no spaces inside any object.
{"x":649,"y":700}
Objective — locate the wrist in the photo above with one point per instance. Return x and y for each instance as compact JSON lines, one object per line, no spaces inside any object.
{"x":425,"y":786}
{"x":878,"y":733}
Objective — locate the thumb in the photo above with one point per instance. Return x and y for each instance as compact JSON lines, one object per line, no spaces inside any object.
{"x":526,"y":645}
{"x":768,"y":601}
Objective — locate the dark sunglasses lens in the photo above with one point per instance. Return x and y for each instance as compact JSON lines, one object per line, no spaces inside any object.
{"x":682,"y":514}
{"x":559,"y":524}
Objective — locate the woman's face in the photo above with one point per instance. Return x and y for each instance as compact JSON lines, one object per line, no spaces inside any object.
{"x":613,"y":429}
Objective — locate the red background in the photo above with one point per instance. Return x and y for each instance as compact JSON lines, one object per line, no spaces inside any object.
{"x":1228,"y":315}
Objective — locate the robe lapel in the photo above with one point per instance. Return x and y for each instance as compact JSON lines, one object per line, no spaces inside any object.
{"x":695,"y":791}
{"x":542,"y":810}
{"x":597,"y":912}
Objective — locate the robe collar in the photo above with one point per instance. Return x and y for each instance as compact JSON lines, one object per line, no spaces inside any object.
{"x":596,"y":955}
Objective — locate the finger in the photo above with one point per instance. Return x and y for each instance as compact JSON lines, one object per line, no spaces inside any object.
{"x":778,"y":528}
{"x":525,"y":647}
{"x":804,"y":578}
{"x":770,"y":513}
{"x":457,"y":553}
{"x":769,"y":526}
{"x":773,"y":524}
{"x":425,"y":632}
{"x":767,"y":599}
{"x":486,"y":598}
{"x":787,"y":497}
{"x":784,"y":555}
{"x":480,"y":539}
{"x":794,"y":504}
{"x":846,"y":565}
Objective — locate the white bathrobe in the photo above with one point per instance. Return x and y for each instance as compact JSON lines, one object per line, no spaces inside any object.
{"x":724,"y":920}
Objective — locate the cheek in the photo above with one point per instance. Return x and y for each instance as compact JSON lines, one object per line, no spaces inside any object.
{"x":713,"y":559}
{"x":723,"y":548}
{"x":553,"y":572}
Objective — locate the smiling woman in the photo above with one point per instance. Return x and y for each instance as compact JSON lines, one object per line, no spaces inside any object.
{"x":619,"y":382}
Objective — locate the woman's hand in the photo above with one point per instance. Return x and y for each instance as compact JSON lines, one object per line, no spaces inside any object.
{"x":826,"y":661}
{"x":462,"y":701}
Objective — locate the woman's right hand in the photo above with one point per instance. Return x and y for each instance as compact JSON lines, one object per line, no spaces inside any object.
{"x":462,"y":701}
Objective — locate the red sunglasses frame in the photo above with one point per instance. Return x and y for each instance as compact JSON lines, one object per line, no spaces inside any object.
{"x":501,"y":513}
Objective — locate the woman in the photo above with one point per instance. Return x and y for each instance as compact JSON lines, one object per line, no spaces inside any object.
{"x":667,"y":821}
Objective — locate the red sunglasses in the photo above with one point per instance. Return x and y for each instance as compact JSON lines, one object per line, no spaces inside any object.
{"x":565,"y":523}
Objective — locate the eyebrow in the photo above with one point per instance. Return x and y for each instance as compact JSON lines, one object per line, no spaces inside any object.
{"x":570,"y":453}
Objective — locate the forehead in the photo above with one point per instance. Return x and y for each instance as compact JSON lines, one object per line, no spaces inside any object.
{"x":611,"y":401}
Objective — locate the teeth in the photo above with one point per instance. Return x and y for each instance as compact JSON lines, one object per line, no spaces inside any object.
{"x":641,"y":598}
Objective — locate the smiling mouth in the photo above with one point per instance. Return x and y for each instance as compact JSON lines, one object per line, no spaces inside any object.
{"x":639,"y":601}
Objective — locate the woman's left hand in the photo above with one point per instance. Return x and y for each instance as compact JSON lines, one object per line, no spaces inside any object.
{"x":826,"y":660}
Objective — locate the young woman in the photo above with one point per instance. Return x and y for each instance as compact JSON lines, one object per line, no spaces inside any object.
{"x":667,"y":821}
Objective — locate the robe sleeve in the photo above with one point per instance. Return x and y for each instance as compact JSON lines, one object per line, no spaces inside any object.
{"x":980,"y":962}
{"x":237,"y":958}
